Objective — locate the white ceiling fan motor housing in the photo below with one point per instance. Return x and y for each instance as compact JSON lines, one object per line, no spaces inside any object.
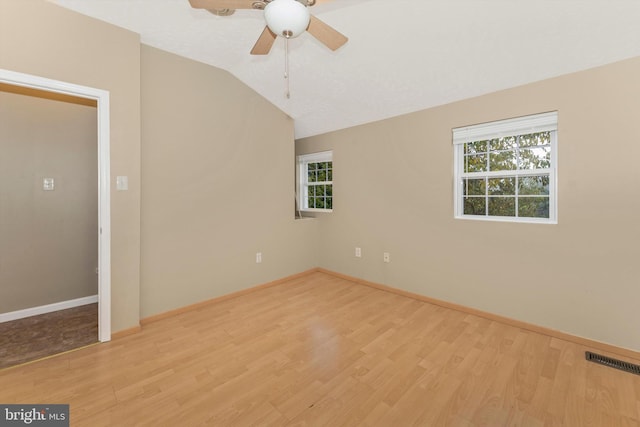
{"x":287,"y":18}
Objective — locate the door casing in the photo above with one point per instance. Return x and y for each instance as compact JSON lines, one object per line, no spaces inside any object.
{"x":104,"y":197}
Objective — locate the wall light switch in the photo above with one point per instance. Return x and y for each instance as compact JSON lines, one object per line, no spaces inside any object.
{"x":48,"y":184}
{"x":122,"y":183}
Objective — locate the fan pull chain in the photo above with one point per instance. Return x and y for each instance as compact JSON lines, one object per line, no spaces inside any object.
{"x":286,"y":68}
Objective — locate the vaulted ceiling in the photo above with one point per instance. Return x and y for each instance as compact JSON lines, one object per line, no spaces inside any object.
{"x":402,"y":55}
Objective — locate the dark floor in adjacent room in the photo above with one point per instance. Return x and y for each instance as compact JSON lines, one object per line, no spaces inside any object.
{"x":35,"y":337}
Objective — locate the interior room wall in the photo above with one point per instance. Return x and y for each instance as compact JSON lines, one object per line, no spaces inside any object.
{"x":49,"y":244}
{"x":43,"y":39}
{"x":393,"y":191}
{"x":217,"y":178}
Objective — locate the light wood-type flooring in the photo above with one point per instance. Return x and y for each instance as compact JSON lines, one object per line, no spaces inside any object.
{"x":323,"y":351}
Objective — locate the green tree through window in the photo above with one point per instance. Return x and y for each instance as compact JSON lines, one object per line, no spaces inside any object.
{"x":508,"y":176}
{"x":320,"y":187}
{"x":315,"y":188}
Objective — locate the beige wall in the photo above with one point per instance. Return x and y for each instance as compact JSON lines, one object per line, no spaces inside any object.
{"x":205,"y":213}
{"x":37,"y":37}
{"x":393,"y":192}
{"x":49,"y":244}
{"x":217,"y":179}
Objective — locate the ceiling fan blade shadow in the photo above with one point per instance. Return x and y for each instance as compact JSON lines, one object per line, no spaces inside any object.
{"x":221,"y":4}
{"x":326,"y":34}
{"x":264,"y":42}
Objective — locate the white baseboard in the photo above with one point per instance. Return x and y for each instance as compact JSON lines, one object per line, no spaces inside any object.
{"x":34,"y":311}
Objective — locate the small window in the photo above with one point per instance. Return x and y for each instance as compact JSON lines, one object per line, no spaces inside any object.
{"x":315,"y":190}
{"x":506,"y":170}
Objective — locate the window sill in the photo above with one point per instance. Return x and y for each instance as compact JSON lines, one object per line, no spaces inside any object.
{"x":311,"y":213}
{"x":507,"y":219}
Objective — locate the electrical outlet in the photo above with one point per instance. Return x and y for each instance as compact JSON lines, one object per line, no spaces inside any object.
{"x":386,"y":257}
{"x":258,"y":257}
{"x":358,"y":253}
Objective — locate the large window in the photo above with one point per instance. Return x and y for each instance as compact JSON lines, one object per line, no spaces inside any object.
{"x":315,"y":189}
{"x":506,"y":170}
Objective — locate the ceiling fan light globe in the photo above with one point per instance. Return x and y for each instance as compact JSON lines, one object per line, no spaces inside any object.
{"x":287,"y":18}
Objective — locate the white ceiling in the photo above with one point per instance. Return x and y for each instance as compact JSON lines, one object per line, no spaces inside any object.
{"x":402,"y":55}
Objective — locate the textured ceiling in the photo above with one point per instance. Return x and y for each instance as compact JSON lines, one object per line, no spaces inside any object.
{"x":402,"y":55}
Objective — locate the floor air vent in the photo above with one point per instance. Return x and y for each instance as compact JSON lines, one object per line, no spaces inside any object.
{"x":613,"y":363}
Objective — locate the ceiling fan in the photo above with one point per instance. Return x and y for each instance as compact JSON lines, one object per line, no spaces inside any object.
{"x":281,"y":17}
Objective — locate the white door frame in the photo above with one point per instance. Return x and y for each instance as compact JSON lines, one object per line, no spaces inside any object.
{"x":104,"y":199}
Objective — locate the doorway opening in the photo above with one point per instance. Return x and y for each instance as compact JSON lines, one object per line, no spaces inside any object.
{"x":99,"y":98}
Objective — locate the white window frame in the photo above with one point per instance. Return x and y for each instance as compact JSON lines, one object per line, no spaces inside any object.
{"x":303,"y":185}
{"x":545,"y":122}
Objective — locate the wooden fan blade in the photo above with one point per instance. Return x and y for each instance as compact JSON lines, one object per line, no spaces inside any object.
{"x":264,"y":43}
{"x":326,"y":34}
{"x":222,"y":4}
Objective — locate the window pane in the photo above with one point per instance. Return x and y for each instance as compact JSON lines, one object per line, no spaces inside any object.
{"x":474,"y":187}
{"x":533,"y":207}
{"x":475,"y":163}
{"x":330,"y":175}
{"x":475,"y":206}
{"x":322,"y":175}
{"x":502,"y":186}
{"x":505,"y":143}
{"x":320,"y":197}
{"x":311,"y":176}
{"x":535,"y":158}
{"x":502,"y":206}
{"x":475,"y":147}
{"x":535,"y":139}
{"x":312,"y":166}
{"x":506,"y":173}
{"x":502,"y":160}
{"x":533,"y":185}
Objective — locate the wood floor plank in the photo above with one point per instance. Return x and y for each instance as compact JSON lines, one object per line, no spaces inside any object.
{"x":323,"y":351}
